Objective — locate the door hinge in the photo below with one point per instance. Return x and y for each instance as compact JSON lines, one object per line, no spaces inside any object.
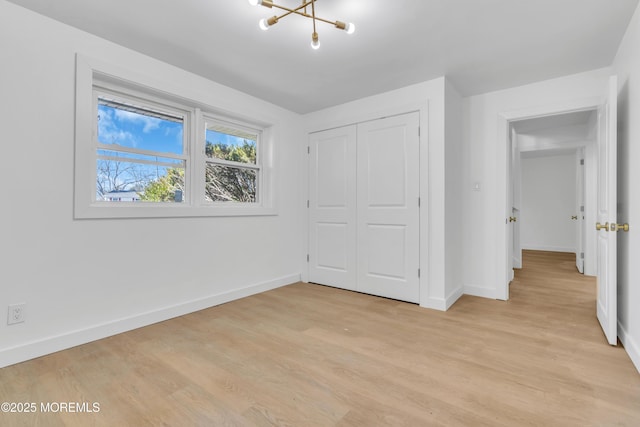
{"x":581,"y":208}
{"x":581,"y":255}
{"x":307,"y":257}
{"x":419,"y":131}
{"x":418,"y":201}
{"x":308,"y":150}
{"x":307,"y":203}
{"x":581,"y":162}
{"x":418,"y":273}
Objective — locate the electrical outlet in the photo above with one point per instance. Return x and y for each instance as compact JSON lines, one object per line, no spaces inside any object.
{"x":16,"y":313}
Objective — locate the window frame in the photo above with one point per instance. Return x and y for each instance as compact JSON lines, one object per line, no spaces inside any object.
{"x":103,"y":89}
{"x":210,"y":119}
{"x":94,"y":76}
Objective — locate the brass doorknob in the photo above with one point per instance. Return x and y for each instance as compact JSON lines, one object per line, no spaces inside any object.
{"x":512,"y":219}
{"x":604,"y":227}
{"x":618,"y":227}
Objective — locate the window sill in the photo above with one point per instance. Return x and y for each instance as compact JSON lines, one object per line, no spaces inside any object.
{"x":108,"y":210}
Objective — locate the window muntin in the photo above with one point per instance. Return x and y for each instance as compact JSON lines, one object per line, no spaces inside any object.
{"x":140,"y":150}
{"x":232,"y":163}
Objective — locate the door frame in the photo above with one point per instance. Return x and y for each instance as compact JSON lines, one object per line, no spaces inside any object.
{"x":504,"y":252}
{"x":581,"y":191}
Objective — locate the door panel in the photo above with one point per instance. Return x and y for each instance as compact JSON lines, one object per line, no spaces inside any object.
{"x":332,"y":207}
{"x":607,"y":214}
{"x":331,"y":246}
{"x":382,"y":263}
{"x":385,"y":165}
{"x":388,"y":213}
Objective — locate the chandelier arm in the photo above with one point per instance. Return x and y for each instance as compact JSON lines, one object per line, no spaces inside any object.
{"x":296,"y":10}
{"x":306,"y":15}
{"x":313,"y":14}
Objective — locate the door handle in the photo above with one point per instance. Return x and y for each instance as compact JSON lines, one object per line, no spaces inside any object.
{"x":574,"y":216}
{"x":512,"y":219}
{"x":618,"y":227}
{"x":604,"y":227}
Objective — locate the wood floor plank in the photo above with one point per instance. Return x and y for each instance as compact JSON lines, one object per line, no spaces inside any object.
{"x":311,"y":355}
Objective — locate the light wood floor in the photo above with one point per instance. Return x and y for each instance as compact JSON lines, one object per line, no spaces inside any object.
{"x":307,"y":355}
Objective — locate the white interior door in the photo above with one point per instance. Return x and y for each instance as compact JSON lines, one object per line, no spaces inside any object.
{"x":607,"y":214}
{"x":579,"y":215}
{"x":509,"y":210}
{"x":388,"y":207}
{"x":332,"y":207}
{"x":515,"y":187}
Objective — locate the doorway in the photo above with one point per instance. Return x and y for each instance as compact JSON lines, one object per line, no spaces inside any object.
{"x":605,"y":204}
{"x":554,"y":186}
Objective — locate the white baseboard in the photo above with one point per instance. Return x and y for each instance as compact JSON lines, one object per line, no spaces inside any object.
{"x":478,"y":291}
{"x":442,"y":304}
{"x":70,"y":339}
{"x":630,"y":345}
{"x":434,"y":304}
{"x":453,"y":297}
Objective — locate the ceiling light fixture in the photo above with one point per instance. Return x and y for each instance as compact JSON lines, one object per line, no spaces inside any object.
{"x":302,"y":11}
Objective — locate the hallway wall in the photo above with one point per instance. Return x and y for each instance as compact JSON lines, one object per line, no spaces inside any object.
{"x":627,"y":66}
{"x":485,"y":163}
{"x":548,"y":202}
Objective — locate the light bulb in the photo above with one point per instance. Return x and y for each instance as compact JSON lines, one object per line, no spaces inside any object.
{"x":315,"y":43}
{"x":350,"y":29}
{"x":266,"y":23}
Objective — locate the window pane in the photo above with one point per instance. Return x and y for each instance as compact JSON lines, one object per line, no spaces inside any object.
{"x":135,"y":177}
{"x":230,"y":144}
{"x":230,"y":184}
{"x":140,"y":128}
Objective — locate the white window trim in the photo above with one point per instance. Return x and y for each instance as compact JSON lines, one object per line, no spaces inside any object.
{"x":210,"y":118}
{"x":88,"y":72}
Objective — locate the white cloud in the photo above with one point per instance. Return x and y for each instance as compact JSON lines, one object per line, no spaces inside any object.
{"x":149,"y":123}
{"x":110,"y":133}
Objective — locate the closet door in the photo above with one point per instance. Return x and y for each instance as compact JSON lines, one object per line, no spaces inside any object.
{"x":388,"y":180}
{"x":332,"y":207}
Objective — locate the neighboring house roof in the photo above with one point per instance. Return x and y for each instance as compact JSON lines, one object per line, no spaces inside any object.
{"x":121,"y":194}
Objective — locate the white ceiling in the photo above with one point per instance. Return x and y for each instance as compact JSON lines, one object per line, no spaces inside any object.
{"x":481,"y":45}
{"x":552,"y":123}
{"x":556,"y":135}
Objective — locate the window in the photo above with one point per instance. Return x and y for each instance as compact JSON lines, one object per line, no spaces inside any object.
{"x":142,"y":151}
{"x":232,"y":170}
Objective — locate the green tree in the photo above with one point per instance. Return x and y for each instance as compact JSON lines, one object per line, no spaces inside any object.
{"x":164,"y":188}
{"x":222,"y":182}
{"x":228,"y":183}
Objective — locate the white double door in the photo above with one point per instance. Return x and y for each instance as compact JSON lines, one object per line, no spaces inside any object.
{"x":364,"y":207}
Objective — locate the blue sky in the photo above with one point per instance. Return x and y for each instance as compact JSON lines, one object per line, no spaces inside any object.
{"x":132,"y":130}
{"x":223,"y":138}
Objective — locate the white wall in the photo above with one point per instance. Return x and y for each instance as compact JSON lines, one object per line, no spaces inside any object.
{"x":436,"y":290}
{"x":63,"y":268}
{"x":454,"y":185}
{"x":485,"y":140}
{"x":627,"y":67}
{"x":548,"y":200}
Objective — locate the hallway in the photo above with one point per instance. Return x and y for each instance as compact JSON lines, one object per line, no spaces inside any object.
{"x":550,"y":282}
